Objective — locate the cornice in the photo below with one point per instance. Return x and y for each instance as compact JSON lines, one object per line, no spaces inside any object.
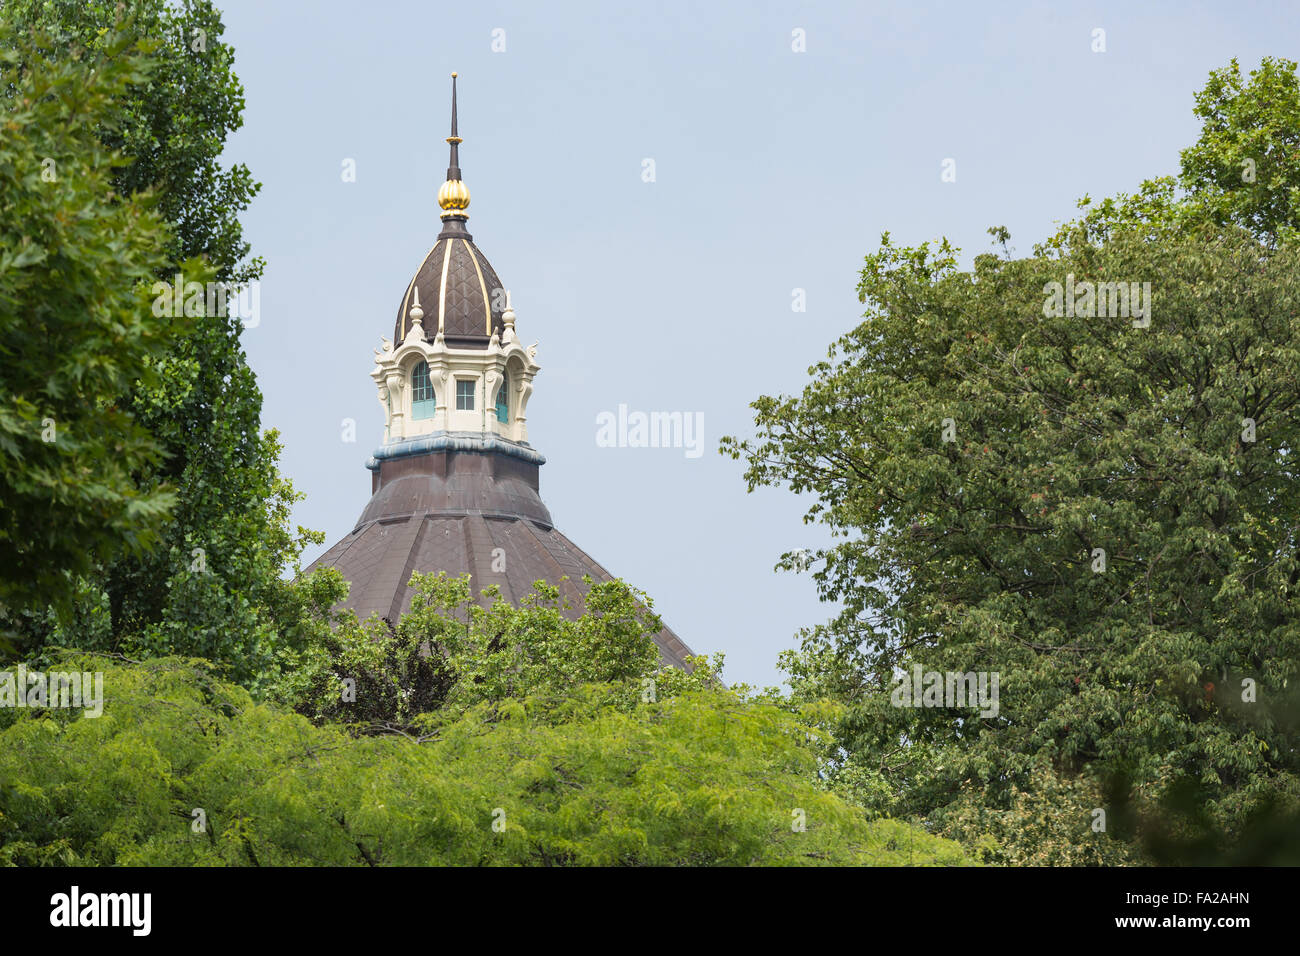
{"x":455,"y":441}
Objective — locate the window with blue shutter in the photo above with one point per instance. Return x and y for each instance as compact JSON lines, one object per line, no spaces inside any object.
{"x":423,"y":401}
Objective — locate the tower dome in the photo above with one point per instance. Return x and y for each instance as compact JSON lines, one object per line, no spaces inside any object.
{"x":457,"y":289}
{"x":459,"y":293}
{"x":454,"y":487}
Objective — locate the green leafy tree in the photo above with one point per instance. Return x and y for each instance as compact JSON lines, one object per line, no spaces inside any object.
{"x":451,"y":652}
{"x":701,"y":778}
{"x":76,"y":329}
{"x":1243,"y":170}
{"x":171,"y":128}
{"x":213,"y":584}
{"x":1100,"y":508}
{"x":1245,"y":167}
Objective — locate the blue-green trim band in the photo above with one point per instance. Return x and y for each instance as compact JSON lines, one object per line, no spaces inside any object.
{"x":454,"y":441}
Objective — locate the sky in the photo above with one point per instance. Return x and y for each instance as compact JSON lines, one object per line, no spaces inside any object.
{"x":775,"y":169}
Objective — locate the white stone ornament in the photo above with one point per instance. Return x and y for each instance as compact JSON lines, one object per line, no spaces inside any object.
{"x":415,"y":334}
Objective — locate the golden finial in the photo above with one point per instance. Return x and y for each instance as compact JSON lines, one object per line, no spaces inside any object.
{"x":453,"y":195}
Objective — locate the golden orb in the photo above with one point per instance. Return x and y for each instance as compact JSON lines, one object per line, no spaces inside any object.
{"x":453,"y":198}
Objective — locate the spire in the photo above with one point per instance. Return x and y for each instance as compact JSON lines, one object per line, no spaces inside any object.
{"x":453,"y":169}
{"x":453,"y":195}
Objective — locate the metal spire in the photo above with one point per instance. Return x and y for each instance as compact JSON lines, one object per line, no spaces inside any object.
{"x":453,"y":195}
{"x":453,"y":170}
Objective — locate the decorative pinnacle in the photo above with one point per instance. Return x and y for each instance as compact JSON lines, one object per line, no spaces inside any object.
{"x":453,"y":168}
{"x":453,"y":195}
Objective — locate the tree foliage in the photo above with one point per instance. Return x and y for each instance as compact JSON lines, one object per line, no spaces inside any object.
{"x":452,"y":651}
{"x":211,"y":585}
{"x":1245,"y":167}
{"x":703,"y":777}
{"x":76,"y":332}
{"x":171,"y":128}
{"x":1112,"y":527}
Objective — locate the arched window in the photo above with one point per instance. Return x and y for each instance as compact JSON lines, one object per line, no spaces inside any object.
{"x":423,"y":402}
{"x":503,"y":403}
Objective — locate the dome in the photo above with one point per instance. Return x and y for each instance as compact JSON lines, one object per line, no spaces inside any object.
{"x":457,"y":290}
{"x":474,"y":512}
{"x":458,"y":492}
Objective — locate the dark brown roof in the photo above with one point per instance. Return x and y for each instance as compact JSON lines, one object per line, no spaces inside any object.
{"x":471,"y":307}
{"x":449,"y":511}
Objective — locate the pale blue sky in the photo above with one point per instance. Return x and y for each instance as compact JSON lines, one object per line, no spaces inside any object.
{"x":776,"y":170}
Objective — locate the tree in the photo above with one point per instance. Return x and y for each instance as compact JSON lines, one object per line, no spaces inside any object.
{"x":1245,"y":167}
{"x":172,"y":128}
{"x":1243,"y":170}
{"x":451,"y":652}
{"x":76,"y":330}
{"x":701,"y":778}
{"x":212,"y":586}
{"x":1097,"y":505}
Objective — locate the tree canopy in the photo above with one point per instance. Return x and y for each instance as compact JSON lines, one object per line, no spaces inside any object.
{"x":76,"y":333}
{"x":1093,"y":497}
{"x":212,"y":584}
{"x":599,"y":774}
